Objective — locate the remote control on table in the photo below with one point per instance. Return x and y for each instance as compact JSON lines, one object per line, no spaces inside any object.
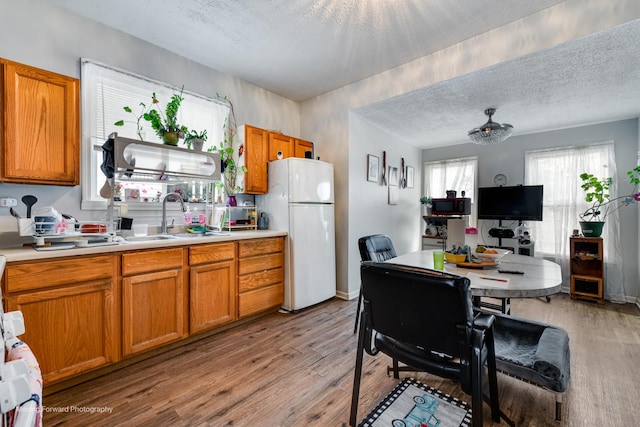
{"x":511,"y":271}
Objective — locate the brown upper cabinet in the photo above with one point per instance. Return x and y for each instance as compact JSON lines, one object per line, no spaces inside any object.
{"x":255,"y":147}
{"x":301,"y":147}
{"x":280,"y":143}
{"x":40,"y":126}
{"x":250,"y":149}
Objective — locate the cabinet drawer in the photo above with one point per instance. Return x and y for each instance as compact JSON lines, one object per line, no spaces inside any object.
{"x":247,"y":248}
{"x":21,"y":277}
{"x":211,"y":253}
{"x":150,"y":261}
{"x":260,"y":279}
{"x":260,"y":263}
{"x":261,"y":299}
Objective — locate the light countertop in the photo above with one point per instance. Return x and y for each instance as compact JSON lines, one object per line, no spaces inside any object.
{"x":19,"y":253}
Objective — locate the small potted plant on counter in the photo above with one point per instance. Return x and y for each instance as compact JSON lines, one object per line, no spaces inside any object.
{"x":597,"y":193}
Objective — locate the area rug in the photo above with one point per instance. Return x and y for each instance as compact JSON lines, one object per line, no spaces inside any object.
{"x":413,"y":404}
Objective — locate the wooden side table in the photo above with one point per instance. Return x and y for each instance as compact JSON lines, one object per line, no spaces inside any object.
{"x":587,"y":269}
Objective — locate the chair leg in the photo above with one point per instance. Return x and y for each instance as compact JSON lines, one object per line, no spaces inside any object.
{"x":476,"y":387}
{"x":355,"y":395}
{"x":493,"y":377}
{"x":355,"y":328}
{"x":559,"y":398}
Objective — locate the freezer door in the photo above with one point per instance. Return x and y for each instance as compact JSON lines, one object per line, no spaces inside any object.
{"x":312,"y":256}
{"x":310,"y":181}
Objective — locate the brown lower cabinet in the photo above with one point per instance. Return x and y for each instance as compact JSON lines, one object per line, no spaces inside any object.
{"x":260,"y":275}
{"x":153,"y":298}
{"x":86,"y":312}
{"x":212,"y":285}
{"x":70,"y":312}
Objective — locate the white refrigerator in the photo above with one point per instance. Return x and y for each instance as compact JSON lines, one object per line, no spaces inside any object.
{"x":300,"y":201}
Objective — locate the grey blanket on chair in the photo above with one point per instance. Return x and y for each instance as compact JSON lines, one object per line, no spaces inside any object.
{"x":533,"y":351}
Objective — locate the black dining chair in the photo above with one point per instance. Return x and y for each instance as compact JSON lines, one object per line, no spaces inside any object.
{"x":425,"y":319}
{"x":376,"y":247}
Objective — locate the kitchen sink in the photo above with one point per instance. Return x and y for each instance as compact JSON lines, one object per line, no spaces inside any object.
{"x":150,"y":238}
{"x":156,"y":237}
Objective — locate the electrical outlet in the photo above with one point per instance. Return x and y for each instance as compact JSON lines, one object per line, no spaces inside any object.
{"x":8,"y":202}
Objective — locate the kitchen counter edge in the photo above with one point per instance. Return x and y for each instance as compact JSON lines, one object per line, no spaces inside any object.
{"x":29,"y":254}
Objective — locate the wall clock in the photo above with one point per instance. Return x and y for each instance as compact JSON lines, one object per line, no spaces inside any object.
{"x":500,"y":180}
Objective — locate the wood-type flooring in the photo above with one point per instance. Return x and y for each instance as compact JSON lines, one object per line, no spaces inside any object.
{"x":297,"y":370}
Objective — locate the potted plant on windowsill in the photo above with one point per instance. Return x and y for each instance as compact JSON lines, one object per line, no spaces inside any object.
{"x":166,"y":125}
{"x":195,"y":139}
{"x":426,"y":202}
{"x":596,"y":192}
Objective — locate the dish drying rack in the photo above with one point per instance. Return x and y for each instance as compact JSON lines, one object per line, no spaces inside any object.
{"x":65,"y":234}
{"x":141,"y":161}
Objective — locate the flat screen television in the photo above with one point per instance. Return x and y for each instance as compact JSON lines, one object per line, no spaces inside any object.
{"x":522,"y":202}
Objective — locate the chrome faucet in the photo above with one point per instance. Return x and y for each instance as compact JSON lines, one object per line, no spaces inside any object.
{"x":163,"y":225}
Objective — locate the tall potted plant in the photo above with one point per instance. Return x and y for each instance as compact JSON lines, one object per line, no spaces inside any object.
{"x":597,"y":193}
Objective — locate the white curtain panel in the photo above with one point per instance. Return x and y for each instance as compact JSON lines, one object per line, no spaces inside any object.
{"x":559,"y":171}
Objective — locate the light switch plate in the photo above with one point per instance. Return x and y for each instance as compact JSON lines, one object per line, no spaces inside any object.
{"x":8,"y":202}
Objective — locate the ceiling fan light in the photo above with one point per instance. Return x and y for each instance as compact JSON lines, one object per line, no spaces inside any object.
{"x":490,"y":132}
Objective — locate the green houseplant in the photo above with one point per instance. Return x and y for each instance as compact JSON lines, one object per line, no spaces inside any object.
{"x":597,"y":193}
{"x":164,"y":124}
{"x":426,"y":202}
{"x":195,"y":139}
{"x":228,"y":159}
{"x":139,"y":118}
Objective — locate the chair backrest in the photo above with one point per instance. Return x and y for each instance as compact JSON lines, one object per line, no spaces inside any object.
{"x":377,"y":247}
{"x":425,"y":308}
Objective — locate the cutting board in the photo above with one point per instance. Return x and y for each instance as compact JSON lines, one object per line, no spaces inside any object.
{"x":476,"y":264}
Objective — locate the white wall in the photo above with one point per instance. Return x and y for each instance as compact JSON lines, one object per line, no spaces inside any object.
{"x":325,"y":119}
{"x":369,"y":211}
{"x":37,"y":33}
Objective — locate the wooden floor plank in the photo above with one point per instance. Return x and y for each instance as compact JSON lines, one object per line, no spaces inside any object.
{"x":297,"y":370}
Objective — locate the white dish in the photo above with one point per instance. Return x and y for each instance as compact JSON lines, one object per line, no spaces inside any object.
{"x":485,"y":257}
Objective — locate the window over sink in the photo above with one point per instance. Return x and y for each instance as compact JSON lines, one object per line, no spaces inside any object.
{"x":106,"y":91}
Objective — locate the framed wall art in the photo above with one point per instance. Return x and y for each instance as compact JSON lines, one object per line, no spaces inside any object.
{"x":393,"y":185}
{"x":372,"y":168}
{"x":409,"y":176}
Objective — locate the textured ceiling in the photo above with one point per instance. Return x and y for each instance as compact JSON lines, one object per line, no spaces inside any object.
{"x":302,"y":48}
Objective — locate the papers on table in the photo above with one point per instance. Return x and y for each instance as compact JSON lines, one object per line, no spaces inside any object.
{"x":479,"y":280}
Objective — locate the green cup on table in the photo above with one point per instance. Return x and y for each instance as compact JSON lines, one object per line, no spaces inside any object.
{"x":438,"y":260}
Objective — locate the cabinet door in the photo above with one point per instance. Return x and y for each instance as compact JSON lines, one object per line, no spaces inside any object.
{"x":301,"y":147}
{"x":70,"y":329}
{"x":280,"y":142}
{"x":213,"y":295}
{"x":41,"y":137}
{"x":255,"y":152}
{"x":152,"y":310}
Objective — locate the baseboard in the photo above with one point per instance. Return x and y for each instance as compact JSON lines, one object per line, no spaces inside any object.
{"x":346,"y":296}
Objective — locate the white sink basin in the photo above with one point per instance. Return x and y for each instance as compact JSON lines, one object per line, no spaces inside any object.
{"x":150,"y":238}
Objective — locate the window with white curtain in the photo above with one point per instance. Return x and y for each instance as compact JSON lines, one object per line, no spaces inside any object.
{"x":105,"y":93}
{"x":558,"y":170}
{"x":452,"y":174}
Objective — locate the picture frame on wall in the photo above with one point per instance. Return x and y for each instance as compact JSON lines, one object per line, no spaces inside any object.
{"x":410,"y":173}
{"x":393,"y":185}
{"x":373,"y":167}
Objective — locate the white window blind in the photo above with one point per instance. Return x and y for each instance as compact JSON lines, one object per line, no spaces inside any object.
{"x":105,"y":93}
